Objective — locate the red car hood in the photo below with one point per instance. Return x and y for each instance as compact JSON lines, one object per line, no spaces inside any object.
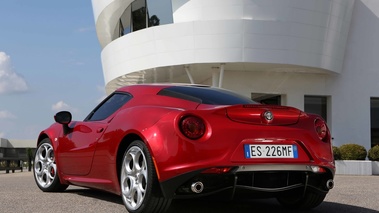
{"x":263,"y":114}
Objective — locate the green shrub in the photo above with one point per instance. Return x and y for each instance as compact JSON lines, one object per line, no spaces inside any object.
{"x":353,"y":152}
{"x":373,"y":153}
{"x":336,"y":153}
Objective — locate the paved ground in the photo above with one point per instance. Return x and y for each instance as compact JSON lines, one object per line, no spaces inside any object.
{"x":18,"y":193}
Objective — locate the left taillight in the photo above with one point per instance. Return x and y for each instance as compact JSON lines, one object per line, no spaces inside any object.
{"x":192,"y":127}
{"x":321,"y":129}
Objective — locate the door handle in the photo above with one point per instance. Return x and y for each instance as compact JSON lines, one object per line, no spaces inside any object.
{"x":99,"y":130}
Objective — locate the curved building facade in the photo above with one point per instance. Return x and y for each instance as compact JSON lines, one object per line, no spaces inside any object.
{"x":302,"y":53}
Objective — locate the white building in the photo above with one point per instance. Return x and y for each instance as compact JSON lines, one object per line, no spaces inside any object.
{"x":320,"y":56}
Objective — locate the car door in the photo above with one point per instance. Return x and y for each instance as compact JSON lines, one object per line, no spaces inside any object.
{"x":77,"y":148}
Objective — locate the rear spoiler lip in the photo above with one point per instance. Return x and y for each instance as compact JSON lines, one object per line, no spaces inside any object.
{"x":255,"y":114}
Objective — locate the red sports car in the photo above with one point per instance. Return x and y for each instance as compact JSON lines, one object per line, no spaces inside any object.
{"x":154,"y":143}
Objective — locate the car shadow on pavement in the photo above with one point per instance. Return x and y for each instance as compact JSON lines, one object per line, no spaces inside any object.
{"x":256,"y":205}
{"x":97,"y":194}
{"x":215,"y":206}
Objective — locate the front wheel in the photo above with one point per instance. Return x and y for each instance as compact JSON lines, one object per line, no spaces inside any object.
{"x":139,"y":183}
{"x":45,"y":168}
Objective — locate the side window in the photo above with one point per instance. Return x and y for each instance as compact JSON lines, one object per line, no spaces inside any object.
{"x":109,"y":106}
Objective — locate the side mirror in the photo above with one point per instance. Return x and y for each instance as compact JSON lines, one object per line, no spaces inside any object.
{"x":64,"y":118}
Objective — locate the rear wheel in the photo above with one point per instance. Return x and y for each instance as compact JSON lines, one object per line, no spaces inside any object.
{"x":308,"y":201}
{"x":139,"y":182}
{"x":45,"y":169}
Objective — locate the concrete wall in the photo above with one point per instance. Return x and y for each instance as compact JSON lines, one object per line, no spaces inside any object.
{"x":359,"y":80}
{"x":288,"y":47}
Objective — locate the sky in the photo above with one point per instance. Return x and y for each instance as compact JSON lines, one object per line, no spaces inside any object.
{"x":49,"y":61}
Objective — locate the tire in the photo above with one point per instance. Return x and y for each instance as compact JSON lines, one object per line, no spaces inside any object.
{"x":309,"y":201}
{"x":140,"y":189}
{"x":45,"y":169}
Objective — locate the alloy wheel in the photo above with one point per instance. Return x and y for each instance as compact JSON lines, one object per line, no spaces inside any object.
{"x":44,"y":165}
{"x":134,"y":176}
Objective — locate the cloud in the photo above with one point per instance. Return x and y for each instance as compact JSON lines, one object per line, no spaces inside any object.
{"x":6,"y":115}
{"x":2,"y":134}
{"x":62,"y":106}
{"x":10,"y":81}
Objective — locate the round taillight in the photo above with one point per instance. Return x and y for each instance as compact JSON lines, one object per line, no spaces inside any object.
{"x":192,"y":127}
{"x":321,"y":129}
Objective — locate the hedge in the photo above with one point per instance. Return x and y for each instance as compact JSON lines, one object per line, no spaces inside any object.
{"x":373,"y":153}
{"x":336,"y":153}
{"x":352,"y":152}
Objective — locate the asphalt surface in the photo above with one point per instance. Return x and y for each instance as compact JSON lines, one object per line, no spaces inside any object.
{"x":19,"y":193}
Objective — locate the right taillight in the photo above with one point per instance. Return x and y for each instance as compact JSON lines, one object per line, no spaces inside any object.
{"x":192,"y":127}
{"x":321,"y":129}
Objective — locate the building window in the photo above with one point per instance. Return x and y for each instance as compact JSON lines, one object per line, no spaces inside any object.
{"x":159,"y":12}
{"x":139,"y":15}
{"x":374,"y":114}
{"x":145,"y":13}
{"x":316,"y":105}
{"x":125,"y":22}
{"x":270,"y":99}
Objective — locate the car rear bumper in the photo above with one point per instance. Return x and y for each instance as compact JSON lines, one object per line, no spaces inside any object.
{"x":269,"y":180}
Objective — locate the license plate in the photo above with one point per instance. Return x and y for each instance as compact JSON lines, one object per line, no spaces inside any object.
{"x":271,"y":151}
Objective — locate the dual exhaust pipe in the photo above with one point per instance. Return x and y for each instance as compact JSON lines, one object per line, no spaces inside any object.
{"x":198,"y":187}
{"x":329,"y":184}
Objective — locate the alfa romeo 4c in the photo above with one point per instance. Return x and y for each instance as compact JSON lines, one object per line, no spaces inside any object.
{"x":151,"y":144}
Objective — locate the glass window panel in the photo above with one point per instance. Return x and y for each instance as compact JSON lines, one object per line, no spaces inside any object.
{"x":316,"y":105}
{"x":270,"y":99}
{"x":206,"y":95}
{"x":109,"y":106}
{"x":374,"y":114}
{"x":125,"y":22}
{"x":159,"y":12}
{"x":139,"y":15}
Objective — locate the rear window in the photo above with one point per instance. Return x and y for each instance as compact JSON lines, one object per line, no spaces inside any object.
{"x":206,"y":95}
